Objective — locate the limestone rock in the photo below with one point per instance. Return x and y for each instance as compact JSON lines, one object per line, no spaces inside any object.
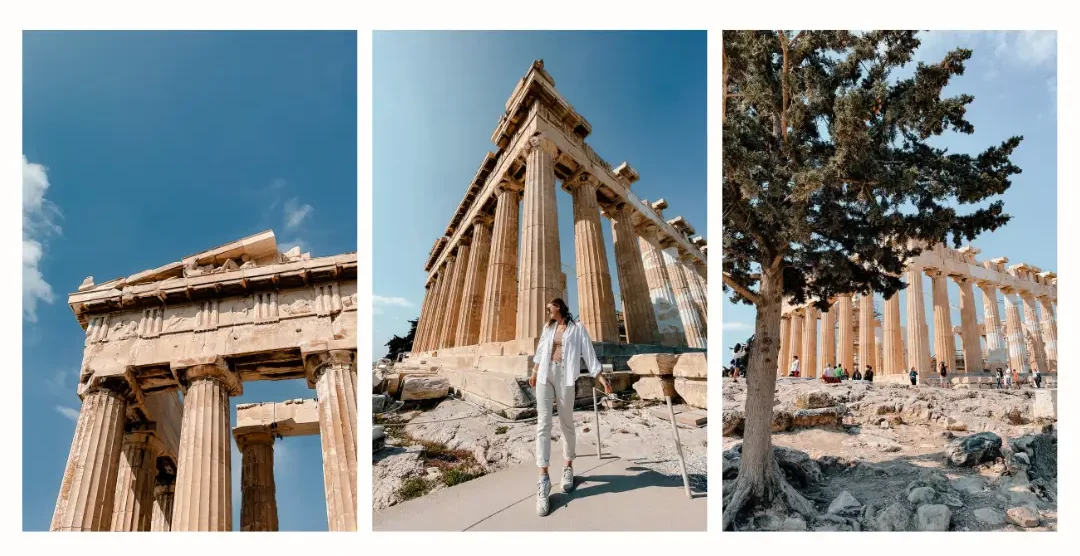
{"x":973,"y":449}
{"x":933,"y":517}
{"x":424,"y":388}
{"x":794,"y":524}
{"x":954,"y":424}
{"x":845,"y":503}
{"x":653,"y":364}
{"x":989,"y":516}
{"x":378,"y":403}
{"x":921,"y":495}
{"x":781,"y":420}
{"x":823,"y":417}
{"x":813,"y":400}
{"x":692,"y":365}
{"x":894,"y":517}
{"x":969,"y":485}
{"x":1045,"y":407}
{"x":654,"y":387}
{"x":694,"y":392}
{"x":1024,"y":516}
{"x":733,"y":421}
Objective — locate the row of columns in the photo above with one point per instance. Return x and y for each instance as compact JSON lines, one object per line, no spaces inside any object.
{"x":479,"y":294}
{"x":113,"y":481}
{"x":1031,"y":337}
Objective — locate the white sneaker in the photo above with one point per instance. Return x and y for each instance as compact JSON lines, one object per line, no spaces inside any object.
{"x":567,"y":479}
{"x":543,"y":504}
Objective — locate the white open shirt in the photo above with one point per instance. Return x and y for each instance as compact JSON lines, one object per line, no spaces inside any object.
{"x":576,"y":346}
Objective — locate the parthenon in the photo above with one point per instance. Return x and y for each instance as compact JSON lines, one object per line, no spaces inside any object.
{"x":1025,"y":340}
{"x":484,"y":306}
{"x":142,"y":459}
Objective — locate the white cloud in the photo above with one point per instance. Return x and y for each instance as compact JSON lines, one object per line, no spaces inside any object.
{"x":732,"y":326}
{"x":295,"y":213}
{"x":397,"y":301}
{"x":39,"y":217}
{"x":68,"y":412}
{"x":1027,"y":47}
{"x":61,"y":383}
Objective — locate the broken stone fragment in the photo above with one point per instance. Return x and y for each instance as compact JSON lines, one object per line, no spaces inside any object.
{"x":424,"y":388}
{"x":653,"y":364}
{"x":694,"y":392}
{"x":654,"y":387}
{"x":933,"y":517}
{"x":1024,"y":516}
{"x":692,"y":365}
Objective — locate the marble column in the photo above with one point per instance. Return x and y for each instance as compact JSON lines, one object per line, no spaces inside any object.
{"x":134,"y":498}
{"x":785,"y":346}
{"x":541,"y":262}
{"x":891,"y":337}
{"x":497,"y":323}
{"x":633,"y":287}
{"x":697,"y":295}
{"x":809,"y":365}
{"x":164,"y":491}
{"x":1014,"y":331}
{"x":333,"y":374}
{"x":437,"y":306}
{"x":969,"y":325}
{"x":796,"y":338}
{"x":258,"y":501}
{"x":442,"y":307}
{"x":472,"y":296}
{"x":845,"y":314}
{"x":596,"y":299}
{"x":944,"y":343}
{"x":997,"y":354}
{"x":828,"y":337}
{"x":203,"y":500}
{"x":453,"y":299}
{"x":1032,"y":334}
{"x":665,"y":308}
{"x":867,"y":353}
{"x":425,"y":318}
{"x":918,"y":334}
{"x":1049,"y":333}
{"x":691,"y":319}
{"x":86,"y":495}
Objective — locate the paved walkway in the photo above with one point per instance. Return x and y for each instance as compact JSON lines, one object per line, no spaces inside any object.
{"x":613,"y":494}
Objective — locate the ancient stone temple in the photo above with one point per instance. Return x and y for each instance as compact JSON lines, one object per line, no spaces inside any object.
{"x":486,"y":292}
{"x":142,"y":459}
{"x":1024,"y":339}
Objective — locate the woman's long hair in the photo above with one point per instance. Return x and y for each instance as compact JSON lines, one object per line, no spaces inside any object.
{"x":564,"y":311}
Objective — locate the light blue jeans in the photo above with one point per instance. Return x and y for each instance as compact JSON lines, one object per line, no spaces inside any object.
{"x":554,"y":390}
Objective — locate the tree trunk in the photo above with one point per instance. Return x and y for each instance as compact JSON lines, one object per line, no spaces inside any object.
{"x":759,"y":481}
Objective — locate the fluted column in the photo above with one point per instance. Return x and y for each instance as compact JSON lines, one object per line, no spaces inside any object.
{"x":809,"y":348}
{"x":796,"y":339}
{"x":918,"y":334}
{"x":134,"y":498}
{"x":879,"y":356}
{"x":944,"y":343}
{"x":997,"y":354}
{"x":1014,"y":331}
{"x":425,"y":318}
{"x":596,"y":300}
{"x":665,"y":309}
{"x":1049,"y":332}
{"x":203,"y":499}
{"x":333,"y":374}
{"x":86,"y":495}
{"x":164,"y":491}
{"x":446,"y":280}
{"x":867,"y":353}
{"x":498,"y":322}
{"x":845,"y":313}
{"x":430,"y":325}
{"x":785,"y":345}
{"x":691,"y":318}
{"x":1032,"y":334}
{"x":633,"y":287}
{"x":697,"y":295}
{"x":258,"y":501}
{"x":828,"y":337}
{"x":541,"y":261}
{"x":969,"y":325}
{"x":453,"y":299}
{"x":472,"y":294}
{"x":892,"y":338}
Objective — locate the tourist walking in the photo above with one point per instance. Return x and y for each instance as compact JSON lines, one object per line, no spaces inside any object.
{"x":914,"y":376}
{"x":1000,"y":378}
{"x":563,"y":344}
{"x":1008,"y":379}
{"x":1038,"y":378}
{"x":944,"y":371}
{"x":794,"y":369}
{"x":1016,"y":378}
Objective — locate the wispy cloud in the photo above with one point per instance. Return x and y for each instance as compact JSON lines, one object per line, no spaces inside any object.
{"x":1028,"y":49}
{"x":39,"y":221}
{"x":61,"y":383}
{"x":395,"y":301}
{"x":296,"y":212}
{"x":68,"y":412}
{"x":733,"y":326}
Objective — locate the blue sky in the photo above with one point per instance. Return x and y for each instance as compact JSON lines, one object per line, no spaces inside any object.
{"x":1013,"y":77}
{"x":438,"y":95}
{"x":142,"y":148}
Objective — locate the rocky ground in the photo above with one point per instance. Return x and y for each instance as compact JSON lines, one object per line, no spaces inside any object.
{"x":424,"y":456}
{"x":890,"y":457}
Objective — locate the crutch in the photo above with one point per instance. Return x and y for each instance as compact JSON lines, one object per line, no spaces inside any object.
{"x":669,"y":392}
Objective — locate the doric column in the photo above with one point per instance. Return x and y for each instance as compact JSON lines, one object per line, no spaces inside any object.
{"x":1032,"y":334}
{"x":134,"y":498}
{"x":1049,"y":332}
{"x":497,"y":324}
{"x":1014,"y":331}
{"x":997,"y":354}
{"x":867,"y":353}
{"x":633,"y":287}
{"x":879,"y":355}
{"x":204,"y":470}
{"x":665,"y":309}
{"x":428,"y":325}
{"x":969,"y":324}
{"x":258,"y":502}
{"x":918,"y":334}
{"x":164,"y":491}
{"x":828,"y":337}
{"x":425,"y":318}
{"x":540,"y":259}
{"x":472,"y":295}
{"x":785,"y":346}
{"x":891,"y":337}
{"x":446,"y":279}
{"x":86,"y":495}
{"x":691,"y":318}
{"x":453,"y":298}
{"x":796,"y":338}
{"x":332,"y":372}
{"x":845,"y":314}
{"x":697,"y":292}
{"x":596,"y":300}
{"x":944,"y":344}
{"x":809,"y":360}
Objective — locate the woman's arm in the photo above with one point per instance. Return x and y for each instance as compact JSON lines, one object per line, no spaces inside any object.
{"x":588,"y":353}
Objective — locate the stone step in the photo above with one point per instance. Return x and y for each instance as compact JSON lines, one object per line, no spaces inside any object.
{"x":684,"y":415}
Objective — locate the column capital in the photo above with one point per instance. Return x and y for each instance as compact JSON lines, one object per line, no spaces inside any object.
{"x":187,"y":371}
{"x":482,"y":219}
{"x":463,"y":241}
{"x":540,"y":142}
{"x":115,"y":379}
{"x":508,"y":184}
{"x":245,"y":438}
{"x":320,"y":355}
{"x":581,"y":180}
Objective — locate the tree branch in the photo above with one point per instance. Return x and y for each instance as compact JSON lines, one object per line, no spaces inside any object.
{"x":741,"y":290}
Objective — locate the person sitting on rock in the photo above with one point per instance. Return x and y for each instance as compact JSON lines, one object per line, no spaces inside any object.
{"x":914,"y":376}
{"x":856,"y":375}
{"x":868,"y":376}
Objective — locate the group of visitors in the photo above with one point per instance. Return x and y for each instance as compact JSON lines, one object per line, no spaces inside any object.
{"x":833,"y":373}
{"x":1010,"y":378}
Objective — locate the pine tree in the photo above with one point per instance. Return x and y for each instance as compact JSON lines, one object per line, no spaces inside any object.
{"x":398,"y":345}
{"x":830,"y":183}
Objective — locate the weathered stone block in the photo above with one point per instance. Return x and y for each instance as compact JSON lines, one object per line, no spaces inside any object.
{"x":823,"y":417}
{"x":1045,"y":404}
{"x":653,"y":364}
{"x":424,"y":388}
{"x":655,"y":387}
{"x":814,"y":399}
{"x":683,"y":415}
{"x":694,"y":392}
{"x":692,"y":365}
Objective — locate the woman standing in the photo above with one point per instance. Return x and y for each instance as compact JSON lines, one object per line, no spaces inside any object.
{"x":563,"y":344}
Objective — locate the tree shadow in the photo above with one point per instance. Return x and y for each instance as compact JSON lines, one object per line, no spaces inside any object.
{"x":596,"y":485}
